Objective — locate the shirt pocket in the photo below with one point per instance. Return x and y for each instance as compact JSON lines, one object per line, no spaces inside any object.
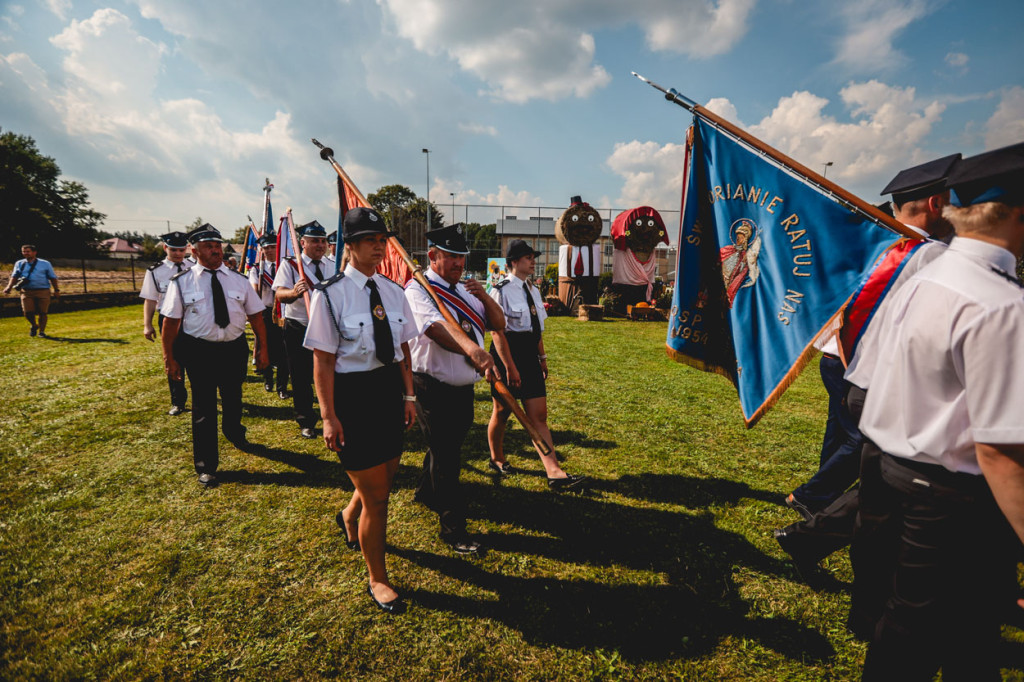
{"x":194,"y":300}
{"x":356,"y":334}
{"x":236,"y":300}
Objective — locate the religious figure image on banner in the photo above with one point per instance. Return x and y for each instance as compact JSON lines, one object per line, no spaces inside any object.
{"x":739,"y":259}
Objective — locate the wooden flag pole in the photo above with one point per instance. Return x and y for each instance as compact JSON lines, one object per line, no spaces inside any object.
{"x":822,"y":182}
{"x":296,"y":248}
{"x":507,"y":399}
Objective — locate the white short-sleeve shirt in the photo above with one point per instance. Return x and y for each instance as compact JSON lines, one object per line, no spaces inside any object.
{"x":268,"y":268}
{"x":156,"y":280}
{"x":516,"y":306}
{"x":345,"y":326}
{"x":288,"y":275}
{"x":429,"y":357}
{"x":949,"y":371}
{"x":190,"y":299}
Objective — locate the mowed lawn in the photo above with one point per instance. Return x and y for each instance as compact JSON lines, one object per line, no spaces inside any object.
{"x":114,"y":563}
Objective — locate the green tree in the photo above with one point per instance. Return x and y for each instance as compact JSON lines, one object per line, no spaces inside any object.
{"x":483,"y":244}
{"x":39,"y":207}
{"x":391,"y":198}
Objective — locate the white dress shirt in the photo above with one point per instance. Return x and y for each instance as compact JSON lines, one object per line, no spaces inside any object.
{"x":567,"y":255}
{"x":266,"y":290}
{"x":190,"y":299}
{"x":288,"y":276}
{"x":155,"y":281}
{"x":349,"y":335}
{"x":429,"y":357}
{"x":949,"y":372}
{"x":516,"y":307}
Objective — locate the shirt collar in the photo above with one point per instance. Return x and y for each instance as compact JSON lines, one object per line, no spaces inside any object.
{"x":990,"y":253}
{"x":357,"y":277}
{"x":517,"y":277}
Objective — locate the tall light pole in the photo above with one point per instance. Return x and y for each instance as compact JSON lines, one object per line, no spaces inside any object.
{"x":824,"y":172}
{"x":427,"y":152}
{"x":452,"y":195}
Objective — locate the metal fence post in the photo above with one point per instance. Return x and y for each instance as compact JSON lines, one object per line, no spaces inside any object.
{"x":132,"y":258}
{"x":85,"y":283}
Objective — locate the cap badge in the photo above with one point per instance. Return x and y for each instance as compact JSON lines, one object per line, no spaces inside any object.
{"x":372,"y":216}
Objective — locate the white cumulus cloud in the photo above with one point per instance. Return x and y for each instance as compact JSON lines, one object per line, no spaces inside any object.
{"x":872,"y":26}
{"x":1006,"y":125}
{"x":536,"y":49}
{"x":478,"y":129}
{"x":652,"y":173}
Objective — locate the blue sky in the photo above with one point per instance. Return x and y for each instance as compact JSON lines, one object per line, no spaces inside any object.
{"x":169,"y":110}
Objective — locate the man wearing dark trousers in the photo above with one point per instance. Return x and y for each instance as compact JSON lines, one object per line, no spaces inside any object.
{"x":205,"y":311}
{"x":919,"y":196}
{"x":261,"y":278}
{"x":943,"y":409}
{"x":154,"y":287}
{"x":292,"y":292}
{"x":446,"y":363}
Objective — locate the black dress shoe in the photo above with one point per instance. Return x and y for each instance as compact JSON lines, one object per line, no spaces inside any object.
{"x":283,"y":395}
{"x":175,"y":410}
{"x":207,"y":480}
{"x":351,"y":544}
{"x":269,"y":388}
{"x":395,"y":606}
{"x":806,"y":567}
{"x":308,"y":432}
{"x":570,"y":482}
{"x":503,"y":468}
{"x":464,"y":545}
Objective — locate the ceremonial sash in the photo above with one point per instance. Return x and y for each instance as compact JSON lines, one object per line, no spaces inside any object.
{"x":266,"y":277}
{"x":460,"y":308}
{"x":865,"y":301}
{"x":309,"y":281}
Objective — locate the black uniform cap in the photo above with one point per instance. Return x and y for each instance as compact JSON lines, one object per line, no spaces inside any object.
{"x":332,"y":238}
{"x":451,"y":239}
{"x":204,"y":233}
{"x":178,"y":240}
{"x":360,"y":222}
{"x":517,"y":248}
{"x":311,"y":229}
{"x":922,"y":181}
{"x":997,"y":175}
{"x":269,"y":239}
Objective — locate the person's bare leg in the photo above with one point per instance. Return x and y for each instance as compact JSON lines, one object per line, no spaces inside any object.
{"x":374,"y":487}
{"x":496,"y":432}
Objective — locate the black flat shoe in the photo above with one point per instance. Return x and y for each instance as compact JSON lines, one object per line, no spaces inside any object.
{"x":351,"y":544}
{"x":208,"y":480}
{"x":396,"y":605}
{"x":308,"y":433}
{"x":503,"y":468}
{"x":175,"y":410}
{"x":570,"y":482}
{"x":283,"y":395}
{"x":269,"y":388}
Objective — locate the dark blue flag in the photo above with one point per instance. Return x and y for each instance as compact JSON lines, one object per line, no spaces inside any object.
{"x":250,"y":249}
{"x":766,"y":263}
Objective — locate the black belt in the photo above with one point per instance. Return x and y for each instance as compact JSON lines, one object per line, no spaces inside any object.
{"x":936,"y":473}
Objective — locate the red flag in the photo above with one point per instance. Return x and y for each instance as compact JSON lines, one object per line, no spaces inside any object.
{"x":392,"y":267}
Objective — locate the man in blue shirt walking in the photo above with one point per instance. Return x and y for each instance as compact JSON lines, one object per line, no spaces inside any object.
{"x":32,"y":277}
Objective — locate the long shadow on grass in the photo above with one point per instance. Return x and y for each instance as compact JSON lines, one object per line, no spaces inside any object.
{"x":314,"y":472}
{"x":68,"y":339}
{"x":699,"y":606}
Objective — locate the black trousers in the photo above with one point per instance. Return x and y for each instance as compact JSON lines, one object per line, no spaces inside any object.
{"x":300,"y":364}
{"x":211,"y":368}
{"x":448,"y":411}
{"x":954,"y":576}
{"x":276,"y":351}
{"x":179,"y":395}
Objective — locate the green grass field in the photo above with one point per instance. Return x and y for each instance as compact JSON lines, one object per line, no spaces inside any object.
{"x":114,"y":563}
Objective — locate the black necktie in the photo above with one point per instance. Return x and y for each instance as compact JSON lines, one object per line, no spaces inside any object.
{"x":319,"y":272}
{"x":178,"y":265}
{"x":382,"y":338}
{"x":534,"y":319}
{"x":220,"y":304}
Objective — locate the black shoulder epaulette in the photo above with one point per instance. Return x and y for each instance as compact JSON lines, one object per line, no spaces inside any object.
{"x":154,"y":266}
{"x":324,"y":283}
{"x":1007,"y":276}
{"x":501,"y":283}
{"x":179,"y":274}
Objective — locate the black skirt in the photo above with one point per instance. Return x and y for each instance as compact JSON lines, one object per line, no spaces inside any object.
{"x":370,"y":407}
{"x":523,"y":346}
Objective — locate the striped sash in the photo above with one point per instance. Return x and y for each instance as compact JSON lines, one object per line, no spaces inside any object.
{"x":460,"y":309}
{"x":862,"y":307}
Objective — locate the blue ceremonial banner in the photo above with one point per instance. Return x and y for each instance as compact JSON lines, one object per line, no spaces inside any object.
{"x":766,"y":263}
{"x":250,"y":249}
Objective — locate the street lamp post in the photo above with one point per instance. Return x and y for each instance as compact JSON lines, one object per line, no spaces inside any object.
{"x":452,"y":195}
{"x":427,"y":152}
{"x":824,"y":172}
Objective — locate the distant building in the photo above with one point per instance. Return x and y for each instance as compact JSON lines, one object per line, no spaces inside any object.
{"x":120,"y":248}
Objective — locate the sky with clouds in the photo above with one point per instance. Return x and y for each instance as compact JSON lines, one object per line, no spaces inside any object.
{"x":170,"y":109}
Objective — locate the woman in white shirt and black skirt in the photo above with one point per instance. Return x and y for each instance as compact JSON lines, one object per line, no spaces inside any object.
{"x":359,"y":328}
{"x":526,"y":373}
